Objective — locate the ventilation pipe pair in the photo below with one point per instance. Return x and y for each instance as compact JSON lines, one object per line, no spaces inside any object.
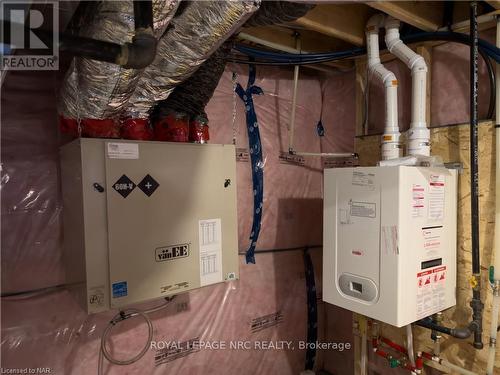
{"x":418,"y":135}
{"x":391,"y":148}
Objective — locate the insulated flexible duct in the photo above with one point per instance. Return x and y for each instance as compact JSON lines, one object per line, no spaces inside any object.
{"x":276,"y":12}
{"x":192,"y":95}
{"x":195,"y":34}
{"x":98,"y":90}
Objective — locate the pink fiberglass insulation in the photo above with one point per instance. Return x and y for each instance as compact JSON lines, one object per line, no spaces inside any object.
{"x":292,"y":194}
{"x":50,"y":330}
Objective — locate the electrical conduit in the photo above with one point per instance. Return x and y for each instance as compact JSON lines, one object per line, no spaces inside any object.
{"x":390,"y":139}
{"x":419,"y":134}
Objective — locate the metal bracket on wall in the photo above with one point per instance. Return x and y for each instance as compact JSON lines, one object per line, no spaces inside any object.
{"x":455,"y":165}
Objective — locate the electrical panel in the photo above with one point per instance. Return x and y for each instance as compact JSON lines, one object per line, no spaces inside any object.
{"x":389,"y":240}
{"x":145,"y":220}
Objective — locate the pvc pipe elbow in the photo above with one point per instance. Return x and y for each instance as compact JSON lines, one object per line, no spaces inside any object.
{"x":375,"y":22}
{"x":418,"y":64}
{"x":390,"y":79}
{"x":392,"y":23}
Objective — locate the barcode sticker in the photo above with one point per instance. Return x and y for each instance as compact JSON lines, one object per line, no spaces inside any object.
{"x":210,"y":238}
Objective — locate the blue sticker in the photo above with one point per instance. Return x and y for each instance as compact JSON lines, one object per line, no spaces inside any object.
{"x":120,"y":289}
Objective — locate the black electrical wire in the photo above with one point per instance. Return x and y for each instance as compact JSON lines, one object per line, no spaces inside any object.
{"x":486,"y":50}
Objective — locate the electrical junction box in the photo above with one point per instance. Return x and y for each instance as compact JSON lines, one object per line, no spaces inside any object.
{"x":389,"y":240}
{"x":145,"y":220}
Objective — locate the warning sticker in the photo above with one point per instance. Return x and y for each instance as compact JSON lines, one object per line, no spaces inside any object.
{"x":417,"y":200}
{"x":431,"y":291}
{"x":436,"y":197}
{"x":123,"y":151}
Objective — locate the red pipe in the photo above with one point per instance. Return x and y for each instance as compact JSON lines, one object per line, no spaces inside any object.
{"x":393,"y":345}
{"x":381,"y":353}
{"x":427,"y":355}
{"x":419,"y":362}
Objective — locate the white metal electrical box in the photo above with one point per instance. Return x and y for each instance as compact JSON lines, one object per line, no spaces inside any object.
{"x":144,"y":220}
{"x":389,"y":240}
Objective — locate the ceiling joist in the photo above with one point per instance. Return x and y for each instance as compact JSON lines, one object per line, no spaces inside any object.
{"x":283,"y":39}
{"x":424,"y":15}
{"x":343,"y":21}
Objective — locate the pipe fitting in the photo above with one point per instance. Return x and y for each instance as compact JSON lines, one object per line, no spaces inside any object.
{"x":461,"y":333}
{"x":496,"y":288}
{"x":493,"y":342}
{"x":140,"y":53}
{"x":375,"y":22}
{"x":418,"y":140}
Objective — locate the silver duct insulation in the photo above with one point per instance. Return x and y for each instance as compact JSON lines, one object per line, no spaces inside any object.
{"x":99,"y":90}
{"x":195,"y":34}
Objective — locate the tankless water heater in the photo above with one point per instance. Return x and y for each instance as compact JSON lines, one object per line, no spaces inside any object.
{"x":390,"y":241}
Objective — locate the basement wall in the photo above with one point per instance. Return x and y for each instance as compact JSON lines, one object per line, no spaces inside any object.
{"x":50,"y":330}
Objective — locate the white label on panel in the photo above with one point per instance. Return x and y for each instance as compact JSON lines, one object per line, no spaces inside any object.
{"x":364,"y":209}
{"x":432,"y":237}
{"x":210,"y":237}
{"x":123,"y":151}
{"x":436,"y":197}
{"x":363,"y":179}
{"x":417,"y":200}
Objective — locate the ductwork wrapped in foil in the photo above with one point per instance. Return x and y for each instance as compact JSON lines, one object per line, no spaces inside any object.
{"x":196,"y":33}
{"x":98,"y":90}
{"x":192,"y":95}
{"x":276,"y":12}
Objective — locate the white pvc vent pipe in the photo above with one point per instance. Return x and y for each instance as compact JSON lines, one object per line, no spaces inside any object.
{"x":419,"y":134}
{"x":390,"y":139}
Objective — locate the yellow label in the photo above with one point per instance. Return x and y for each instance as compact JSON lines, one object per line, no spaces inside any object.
{"x":387,"y":137}
{"x":394,"y":82}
